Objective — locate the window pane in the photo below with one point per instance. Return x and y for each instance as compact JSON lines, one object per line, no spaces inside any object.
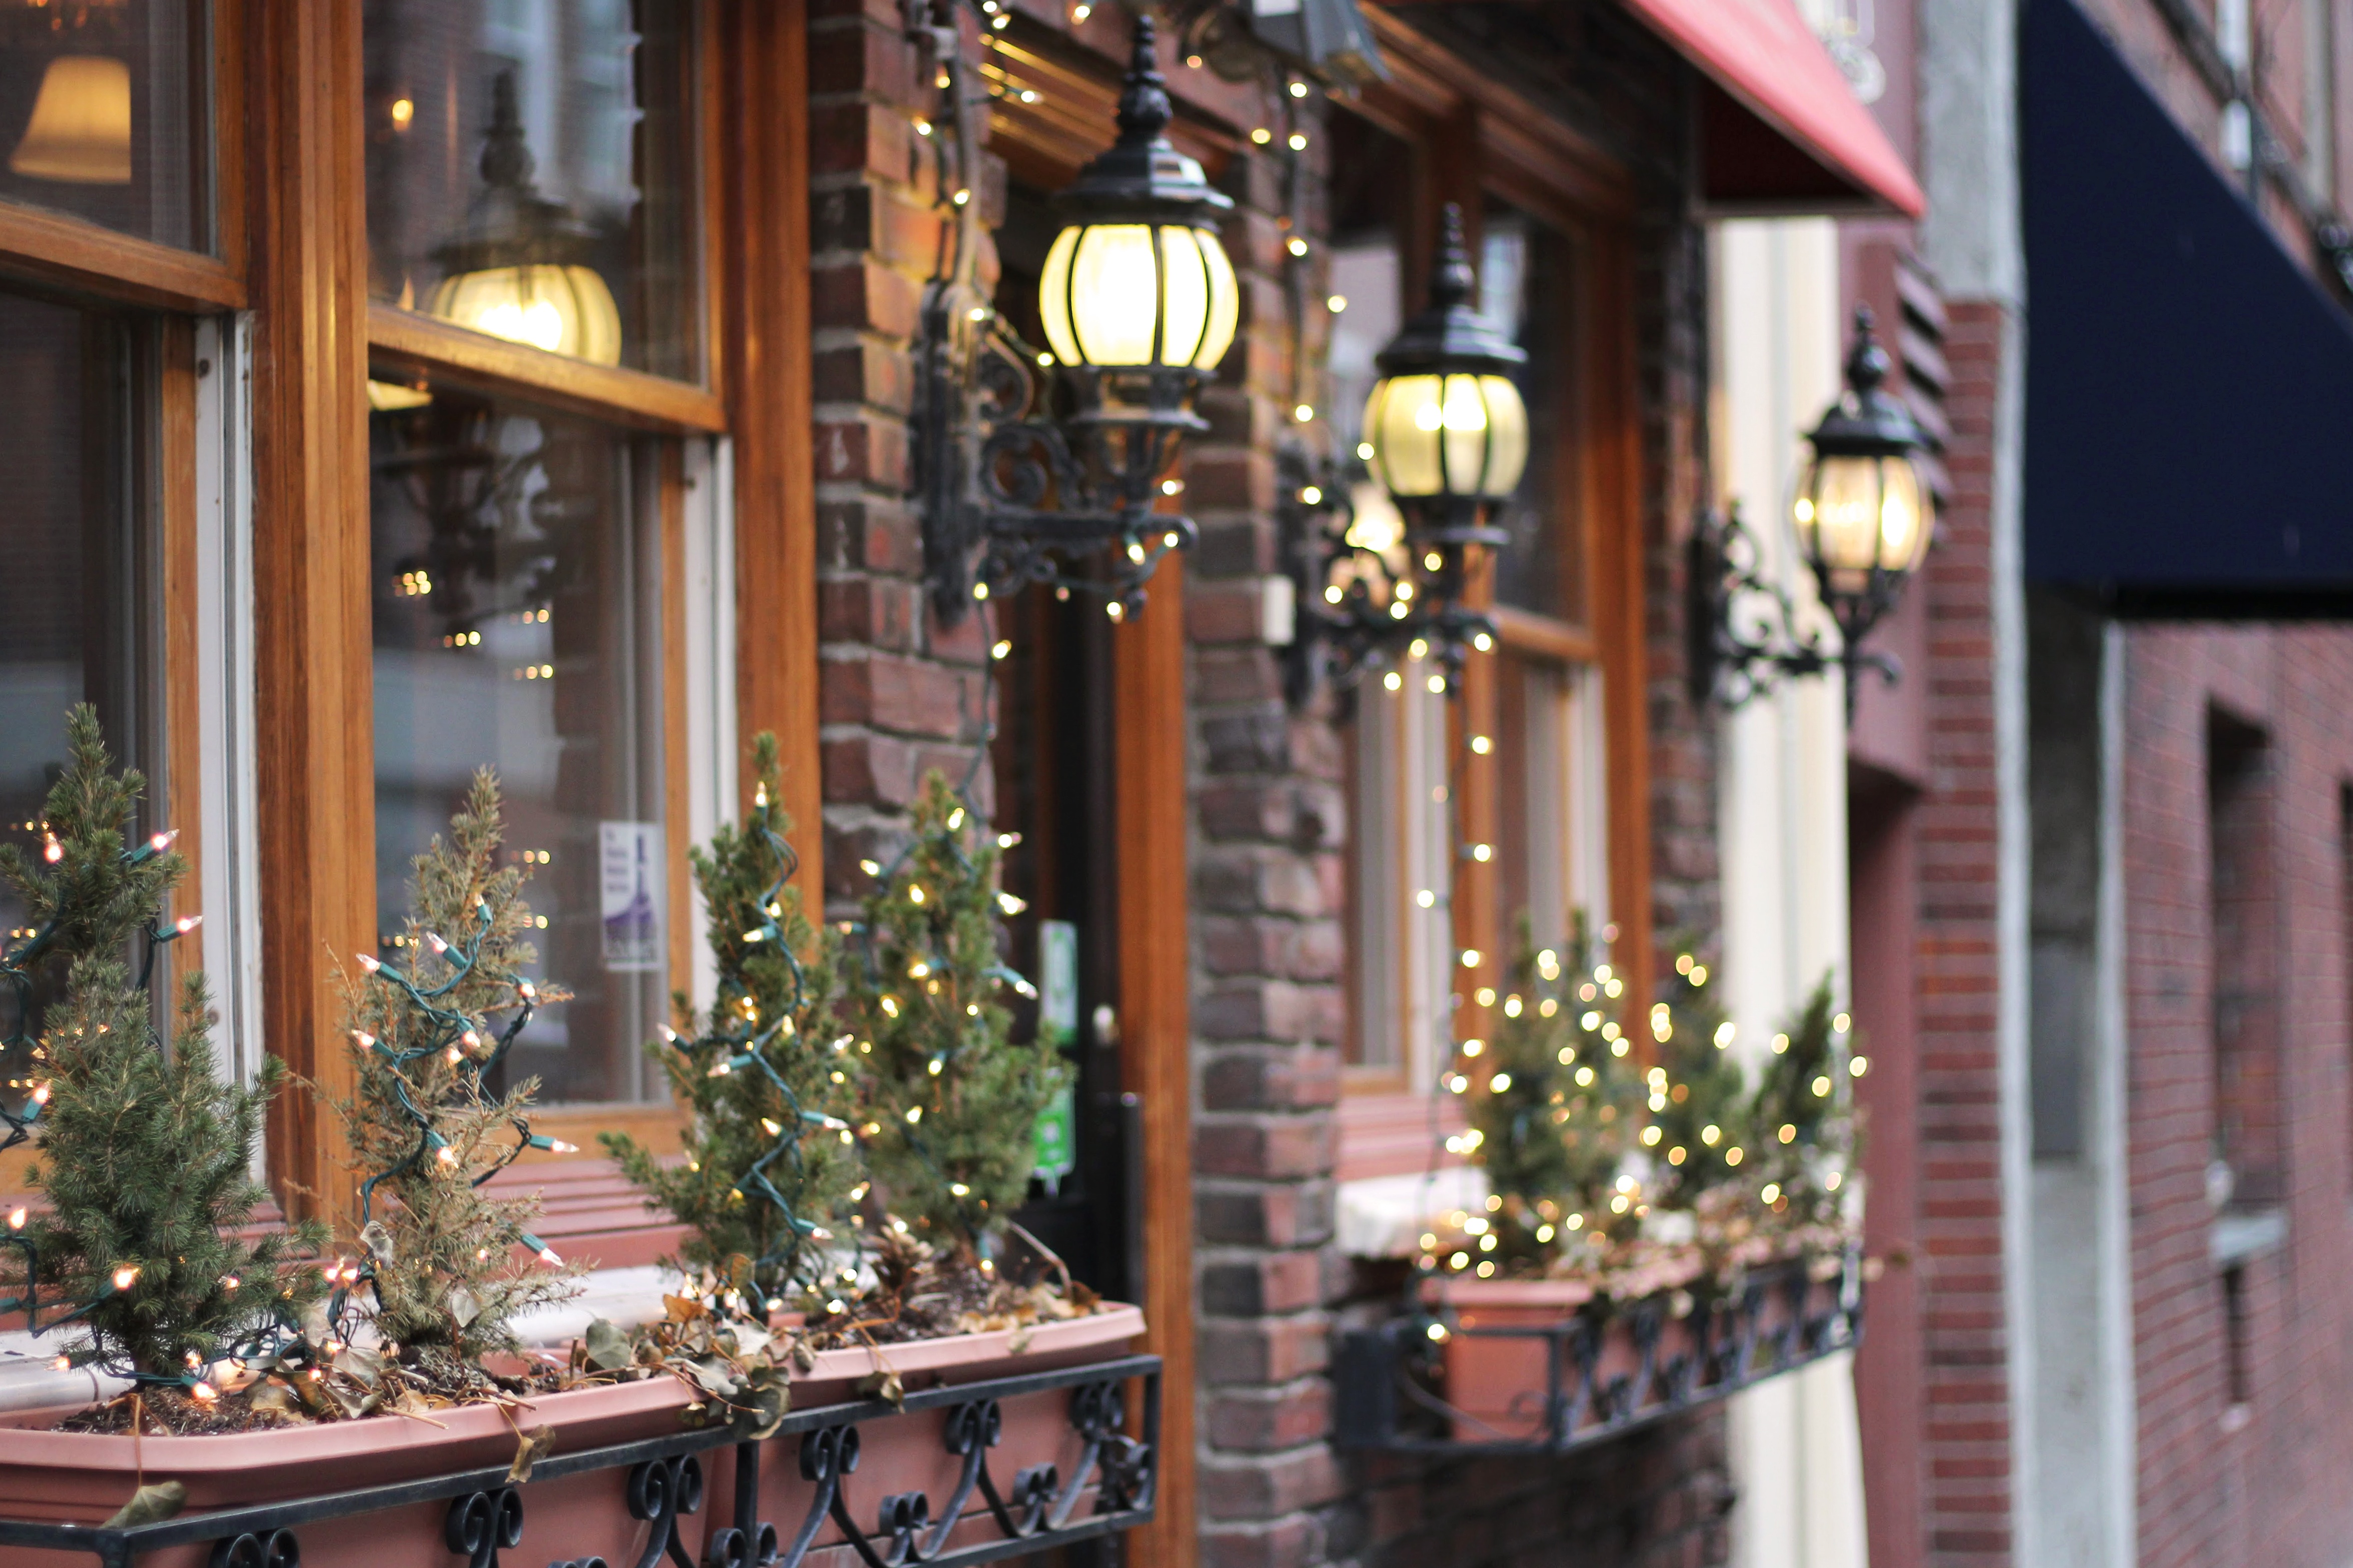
{"x":530,"y":172}
{"x":1372,"y":190}
{"x":78,"y":603}
{"x":1528,"y":282}
{"x":517,"y":607}
{"x":103,"y":111}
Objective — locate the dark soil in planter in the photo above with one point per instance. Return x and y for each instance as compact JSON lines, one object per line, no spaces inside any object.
{"x":425,"y":1383}
{"x":922,"y":1292}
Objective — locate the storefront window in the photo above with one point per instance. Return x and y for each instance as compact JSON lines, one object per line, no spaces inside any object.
{"x":517,"y":588}
{"x":102,"y":113}
{"x":80,"y":605}
{"x":530,"y":172}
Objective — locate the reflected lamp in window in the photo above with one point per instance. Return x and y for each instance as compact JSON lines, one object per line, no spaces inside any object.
{"x":530,"y":172}
{"x":517,"y":590}
{"x":102,"y":118}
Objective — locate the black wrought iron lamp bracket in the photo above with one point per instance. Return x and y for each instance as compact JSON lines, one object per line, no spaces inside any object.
{"x":1748,"y":636}
{"x":1013,"y":489}
{"x":1340,"y":641}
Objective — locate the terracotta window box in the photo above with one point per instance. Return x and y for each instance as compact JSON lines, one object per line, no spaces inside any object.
{"x":1045,"y":1443}
{"x":1545,"y":1366}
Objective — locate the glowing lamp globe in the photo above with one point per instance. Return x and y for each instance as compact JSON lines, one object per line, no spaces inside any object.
{"x":1862,"y":515}
{"x":522,"y":270}
{"x":1447,"y":430}
{"x":1136,"y":281}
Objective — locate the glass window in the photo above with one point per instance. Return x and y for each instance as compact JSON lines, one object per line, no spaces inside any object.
{"x":1399,"y":881}
{"x":79,"y":603}
{"x":530,"y":172}
{"x":1549,"y":793}
{"x":1527,"y":283}
{"x":1372,"y":193}
{"x":517,"y":607}
{"x":102,"y":114}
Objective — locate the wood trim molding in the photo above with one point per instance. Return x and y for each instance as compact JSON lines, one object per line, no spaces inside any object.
{"x":66,"y":253}
{"x":656,"y":1124}
{"x":1432,"y":83}
{"x":770,"y":392}
{"x":1621,"y":606}
{"x":575,"y":386}
{"x":315,"y":763}
{"x":1524,"y":631}
{"x":1152,"y":813}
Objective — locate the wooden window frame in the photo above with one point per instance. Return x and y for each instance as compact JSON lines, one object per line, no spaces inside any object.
{"x":1477,"y":138}
{"x":288,"y":221}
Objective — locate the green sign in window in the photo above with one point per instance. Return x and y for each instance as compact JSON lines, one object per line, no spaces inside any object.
{"x":1057,"y":1132}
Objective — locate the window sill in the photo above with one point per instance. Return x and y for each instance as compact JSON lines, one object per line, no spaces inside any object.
{"x":1383,"y":1217}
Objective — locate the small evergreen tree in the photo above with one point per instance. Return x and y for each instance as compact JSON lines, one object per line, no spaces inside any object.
{"x":427,"y":1130}
{"x":1554,"y":1108}
{"x":1802,"y":1120}
{"x":947,"y":1104}
{"x":1697,"y":1091}
{"x":145,"y":1154}
{"x":768,"y":1168}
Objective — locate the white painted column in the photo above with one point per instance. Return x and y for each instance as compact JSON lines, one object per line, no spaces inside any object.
{"x":1796,"y":1449}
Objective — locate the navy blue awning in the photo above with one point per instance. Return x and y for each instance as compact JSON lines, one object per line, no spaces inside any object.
{"x":2189,"y":386}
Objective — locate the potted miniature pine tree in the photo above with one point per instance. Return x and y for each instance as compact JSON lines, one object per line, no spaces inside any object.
{"x":410,"y":1368}
{"x":1633,"y":1182}
{"x":945,"y":1104}
{"x":146,"y":1154}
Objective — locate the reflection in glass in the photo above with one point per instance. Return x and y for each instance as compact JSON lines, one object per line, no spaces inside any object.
{"x":1528,"y":285}
{"x":530,"y":172}
{"x":78,"y":603}
{"x":101,"y":116}
{"x":515,"y":578}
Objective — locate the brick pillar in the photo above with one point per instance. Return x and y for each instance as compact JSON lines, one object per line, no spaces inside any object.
{"x":899,"y":693}
{"x":1967,"y":1501}
{"x":1267,"y":899}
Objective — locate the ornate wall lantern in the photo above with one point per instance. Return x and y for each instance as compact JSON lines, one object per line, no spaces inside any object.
{"x":522,"y":269}
{"x":1140,"y":304}
{"x":1862,"y":518}
{"x":1400,"y":563}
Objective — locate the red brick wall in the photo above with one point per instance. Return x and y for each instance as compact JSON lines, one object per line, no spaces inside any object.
{"x":1965,"y":1419}
{"x":2267,"y":1485}
{"x":1270,"y":820}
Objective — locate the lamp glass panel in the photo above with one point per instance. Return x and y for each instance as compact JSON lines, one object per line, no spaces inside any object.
{"x":605,"y":95}
{"x":1185,"y":296}
{"x":1054,"y":296}
{"x":1903,"y":518}
{"x":515,"y":581}
{"x":1462,"y":415}
{"x":1837,"y":514}
{"x":1114,"y":294}
{"x":105,"y":120}
{"x":1225,"y":302}
{"x":1507,"y":434}
{"x":1402,"y":420}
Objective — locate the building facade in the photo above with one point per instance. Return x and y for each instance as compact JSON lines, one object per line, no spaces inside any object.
{"x":320,"y":533}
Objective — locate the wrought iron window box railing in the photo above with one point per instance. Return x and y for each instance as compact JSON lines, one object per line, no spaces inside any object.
{"x":984,"y":1517}
{"x":1590,"y":1373}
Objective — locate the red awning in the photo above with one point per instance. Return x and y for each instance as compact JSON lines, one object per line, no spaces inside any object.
{"x":1780,"y":129}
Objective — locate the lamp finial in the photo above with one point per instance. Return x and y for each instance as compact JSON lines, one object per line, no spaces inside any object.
{"x":1143,"y":107}
{"x":1867,"y":364}
{"x":1453,"y":281}
{"x":506,"y":156}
